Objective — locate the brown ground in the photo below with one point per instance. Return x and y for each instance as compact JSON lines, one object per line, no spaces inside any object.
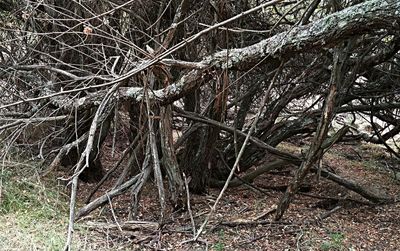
{"x":238,"y":224}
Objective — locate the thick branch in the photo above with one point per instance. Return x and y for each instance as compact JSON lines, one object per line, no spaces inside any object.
{"x":326,"y":32}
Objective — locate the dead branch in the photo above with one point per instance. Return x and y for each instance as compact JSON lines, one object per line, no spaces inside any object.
{"x":137,"y":188}
{"x":353,"y":20}
{"x":127,"y":225}
{"x":315,"y":152}
{"x":351,"y":185}
{"x":57,"y":161}
{"x":108,"y":195}
{"x":278,"y":153}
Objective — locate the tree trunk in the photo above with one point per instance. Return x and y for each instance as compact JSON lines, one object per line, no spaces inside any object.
{"x":176,"y":184}
{"x":200,"y":155}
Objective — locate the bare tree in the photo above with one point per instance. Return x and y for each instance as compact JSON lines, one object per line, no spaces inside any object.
{"x":75,"y":70}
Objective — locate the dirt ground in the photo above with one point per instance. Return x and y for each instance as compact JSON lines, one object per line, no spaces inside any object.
{"x":323,"y":216}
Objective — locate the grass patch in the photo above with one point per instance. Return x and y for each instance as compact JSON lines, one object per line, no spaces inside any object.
{"x":33,"y":212}
{"x":220,"y":245}
{"x":335,"y":242}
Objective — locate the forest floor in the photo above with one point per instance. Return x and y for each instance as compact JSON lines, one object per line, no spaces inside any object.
{"x":323,"y":216}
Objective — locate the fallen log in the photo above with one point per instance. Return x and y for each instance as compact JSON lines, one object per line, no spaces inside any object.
{"x":347,"y":183}
{"x":353,"y":186}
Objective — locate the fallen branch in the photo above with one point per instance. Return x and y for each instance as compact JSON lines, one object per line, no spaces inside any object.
{"x":352,"y":185}
{"x":108,"y":195}
{"x":253,"y":223}
{"x":127,"y":225}
{"x":329,"y":213}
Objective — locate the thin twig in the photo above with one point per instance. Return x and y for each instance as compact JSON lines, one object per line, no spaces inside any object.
{"x":113,"y":214}
{"x":188,"y":205}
